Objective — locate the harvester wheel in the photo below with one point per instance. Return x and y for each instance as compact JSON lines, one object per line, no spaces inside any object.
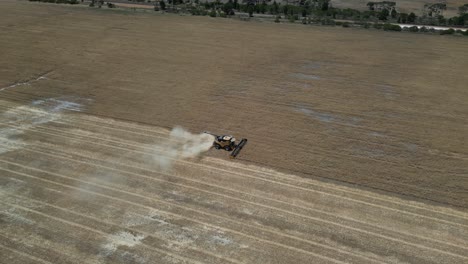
{"x":217,"y":146}
{"x":227,"y":148}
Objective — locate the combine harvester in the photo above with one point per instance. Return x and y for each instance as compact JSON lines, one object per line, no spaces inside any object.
{"x":228,"y":143}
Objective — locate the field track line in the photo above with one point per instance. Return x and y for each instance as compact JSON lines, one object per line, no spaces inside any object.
{"x":191,"y":219}
{"x":271,"y":207}
{"x":289,"y":185}
{"x":121,"y":227}
{"x":224,"y":218}
{"x":451,"y":155}
{"x":25,"y":254}
{"x":267,"y":180}
{"x":104,"y":234}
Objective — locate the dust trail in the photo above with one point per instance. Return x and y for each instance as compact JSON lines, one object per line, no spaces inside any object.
{"x":181,"y":145}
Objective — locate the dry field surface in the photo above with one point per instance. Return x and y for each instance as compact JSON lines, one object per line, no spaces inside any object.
{"x":357,"y":146}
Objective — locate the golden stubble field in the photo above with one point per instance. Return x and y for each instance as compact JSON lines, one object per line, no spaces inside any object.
{"x":357,"y":146}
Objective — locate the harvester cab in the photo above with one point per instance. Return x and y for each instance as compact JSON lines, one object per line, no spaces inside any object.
{"x":228,"y":143}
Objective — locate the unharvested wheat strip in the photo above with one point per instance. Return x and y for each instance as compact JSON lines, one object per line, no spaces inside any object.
{"x":26,"y":255}
{"x":342,"y":113}
{"x":395,"y":135}
{"x":179,"y":216}
{"x":329,"y":153}
{"x":229,"y":220}
{"x":225,"y":259}
{"x":94,"y":230}
{"x":285,"y":184}
{"x":299,"y":208}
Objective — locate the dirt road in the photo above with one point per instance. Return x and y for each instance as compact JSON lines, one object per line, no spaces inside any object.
{"x":365,"y":161}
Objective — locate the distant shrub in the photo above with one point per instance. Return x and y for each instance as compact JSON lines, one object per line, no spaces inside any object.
{"x":213,"y":13}
{"x":222,"y":14}
{"x":390,"y":27}
{"x":414,"y":29}
{"x":449,"y":31}
{"x":366,"y":25}
{"x":423,"y":29}
{"x":378,"y":25}
{"x":345,"y":25}
{"x":327,"y":21}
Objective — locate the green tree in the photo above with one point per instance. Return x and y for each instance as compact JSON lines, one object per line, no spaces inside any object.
{"x":263,"y":7}
{"x":213,"y":13}
{"x":463,"y":9}
{"x":383,"y":14}
{"x":250,"y":10}
{"x":393,"y":13}
{"x":411,"y":17}
{"x":275,"y":8}
{"x":403,"y":18}
{"x":325,"y":5}
{"x":162,"y":4}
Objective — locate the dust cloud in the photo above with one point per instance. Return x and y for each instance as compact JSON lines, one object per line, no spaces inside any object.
{"x":181,"y":144}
